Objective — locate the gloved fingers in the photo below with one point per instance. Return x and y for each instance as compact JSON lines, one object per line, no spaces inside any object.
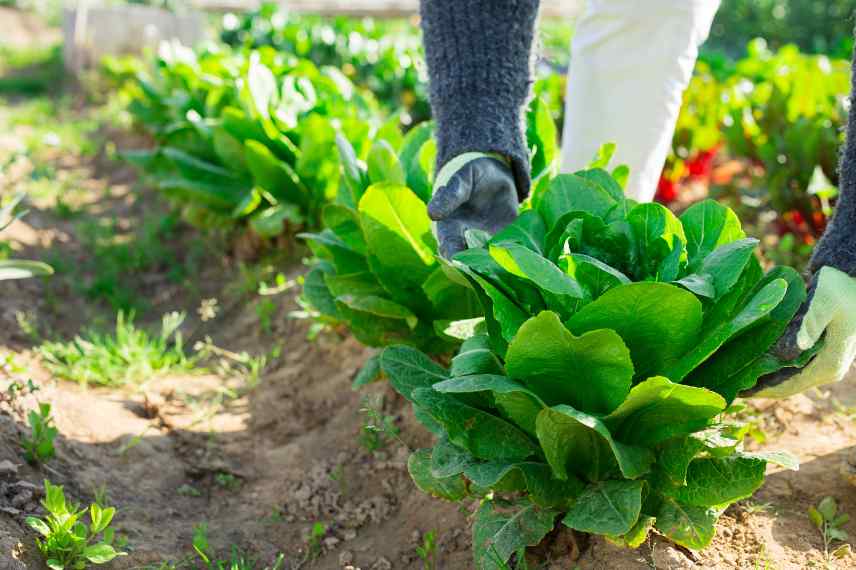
{"x":450,"y":235}
{"x":824,"y":305}
{"x":770,"y":382}
{"x":449,"y":198}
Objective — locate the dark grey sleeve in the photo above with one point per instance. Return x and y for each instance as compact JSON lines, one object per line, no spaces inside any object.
{"x":837,"y":247}
{"x":480,"y":68}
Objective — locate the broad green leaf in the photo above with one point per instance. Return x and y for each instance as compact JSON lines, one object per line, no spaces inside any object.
{"x":484,"y":435}
{"x":262,"y":86}
{"x":451,"y":488}
{"x":502,"y":314}
{"x":475,"y":357}
{"x":270,"y":222}
{"x":730,"y":369}
{"x":655,"y":229}
{"x":409,"y":369}
{"x":417,"y":177}
{"x":500,"y":532}
{"x":229,"y":149}
{"x":692,"y":527}
{"x":637,"y":535}
{"x":591,"y":372}
{"x":359,"y":283}
{"x":369,"y":372}
{"x":398,"y":233}
{"x":345,"y":223}
{"x":384,"y":166}
{"x":674,"y":458}
{"x":560,"y":290}
{"x":527,"y":230}
{"x":579,"y":443}
{"x":610,"y":507}
{"x":603,"y":156}
{"x":450,"y":300}
{"x":783,"y":459}
{"x":514,"y":400}
{"x":595,"y":277}
{"x":448,"y":459}
{"x":535,"y":478}
{"x":100,"y":553}
{"x":39,"y":526}
{"x":541,"y":134}
{"x":761,"y":305}
{"x":708,"y":225}
{"x":658,"y":409}
{"x":724,"y":266}
{"x":274,"y":175}
{"x":23,"y":269}
{"x":569,"y":193}
{"x":658,"y":322}
{"x":380,"y":307}
{"x":607,"y":182}
{"x":355,"y":176}
{"x":712,"y":481}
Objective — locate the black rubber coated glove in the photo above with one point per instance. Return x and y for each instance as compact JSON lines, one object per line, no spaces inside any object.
{"x":472,"y":191}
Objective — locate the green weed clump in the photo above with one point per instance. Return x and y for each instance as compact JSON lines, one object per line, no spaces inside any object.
{"x":128,"y":355}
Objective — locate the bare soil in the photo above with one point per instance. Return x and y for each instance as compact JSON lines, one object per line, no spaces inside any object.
{"x":262,"y":464}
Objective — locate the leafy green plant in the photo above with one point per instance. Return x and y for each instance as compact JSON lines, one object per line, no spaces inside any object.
{"x":377,"y":267}
{"x":245,"y":138}
{"x":18,"y":268}
{"x":67,"y":542}
{"x":39,"y":445}
{"x":614,"y":337}
{"x":128,"y":355}
{"x":829,"y":521}
{"x":384,"y":56}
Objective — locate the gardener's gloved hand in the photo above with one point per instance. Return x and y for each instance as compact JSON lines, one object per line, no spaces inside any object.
{"x":472,"y":191}
{"x":831,"y":309}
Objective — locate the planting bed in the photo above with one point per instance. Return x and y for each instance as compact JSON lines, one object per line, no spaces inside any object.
{"x":262,"y":465}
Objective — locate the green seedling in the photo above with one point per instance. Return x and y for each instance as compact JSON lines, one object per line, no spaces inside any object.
{"x":39,"y":445}
{"x":237,"y":559}
{"x":189,"y":491}
{"x":378,"y":429}
{"x":68,"y":543}
{"x":227,"y":481}
{"x":428,"y":551}
{"x":266,"y":311}
{"x":829,"y":521}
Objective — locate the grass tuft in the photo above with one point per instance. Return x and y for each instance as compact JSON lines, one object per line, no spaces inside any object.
{"x":128,"y":355}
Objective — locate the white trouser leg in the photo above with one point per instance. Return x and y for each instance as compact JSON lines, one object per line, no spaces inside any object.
{"x":631,"y":62}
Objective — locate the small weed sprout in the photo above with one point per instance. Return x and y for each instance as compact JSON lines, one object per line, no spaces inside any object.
{"x":428,"y":551}
{"x":39,"y":445}
{"x":378,"y":429}
{"x":230,"y":363}
{"x":69,"y":543}
{"x":227,"y":481}
{"x":237,"y":560}
{"x":829,"y":521}
{"x":266,"y":310}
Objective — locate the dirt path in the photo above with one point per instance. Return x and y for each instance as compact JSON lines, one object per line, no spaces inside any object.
{"x":265,"y":460}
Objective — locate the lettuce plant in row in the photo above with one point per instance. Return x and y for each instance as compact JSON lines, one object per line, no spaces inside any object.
{"x":246,"y":137}
{"x":593,"y":393}
{"x":378,"y":270}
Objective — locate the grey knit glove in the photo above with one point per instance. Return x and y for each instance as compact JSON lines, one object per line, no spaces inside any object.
{"x":473,"y":191}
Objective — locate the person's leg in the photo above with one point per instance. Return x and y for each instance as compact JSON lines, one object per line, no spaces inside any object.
{"x":631,"y":62}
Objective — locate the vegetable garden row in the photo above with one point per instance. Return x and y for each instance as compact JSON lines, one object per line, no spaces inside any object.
{"x":577,"y":367}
